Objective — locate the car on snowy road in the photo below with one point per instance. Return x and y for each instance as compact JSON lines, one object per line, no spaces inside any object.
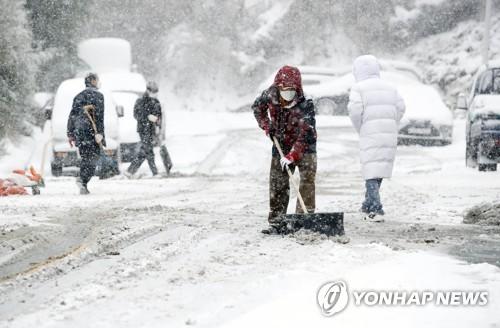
{"x":312,"y":76}
{"x":64,"y":156}
{"x":483,"y":119}
{"x":427,"y":120}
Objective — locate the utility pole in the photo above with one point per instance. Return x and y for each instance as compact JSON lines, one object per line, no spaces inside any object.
{"x":486,"y":34}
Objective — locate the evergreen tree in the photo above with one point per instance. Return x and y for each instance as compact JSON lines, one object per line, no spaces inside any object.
{"x":17,"y":68}
{"x":56,"y":25}
{"x":144,"y":24}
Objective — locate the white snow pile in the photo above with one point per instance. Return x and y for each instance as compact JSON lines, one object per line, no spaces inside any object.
{"x":484,"y":213}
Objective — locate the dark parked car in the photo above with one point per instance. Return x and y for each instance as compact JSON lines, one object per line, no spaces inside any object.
{"x":483,"y":119}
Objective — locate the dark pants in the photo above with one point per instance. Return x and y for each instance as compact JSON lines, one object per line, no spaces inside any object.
{"x":145,"y":153}
{"x":279,"y":186}
{"x":372,"y":196}
{"x":89,"y":155}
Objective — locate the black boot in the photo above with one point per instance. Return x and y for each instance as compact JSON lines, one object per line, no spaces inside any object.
{"x":82,"y":186}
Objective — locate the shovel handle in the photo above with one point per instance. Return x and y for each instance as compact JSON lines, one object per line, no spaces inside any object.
{"x":294,"y":183}
{"x":94,"y":126}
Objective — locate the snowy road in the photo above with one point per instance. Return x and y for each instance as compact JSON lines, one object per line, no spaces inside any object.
{"x":187,"y":250}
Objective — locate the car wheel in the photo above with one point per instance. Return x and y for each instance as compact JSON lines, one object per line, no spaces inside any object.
{"x":325,"y":106}
{"x":487,"y":167}
{"x":56,"y":169}
{"x":403,"y":142}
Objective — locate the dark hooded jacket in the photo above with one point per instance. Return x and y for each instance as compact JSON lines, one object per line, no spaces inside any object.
{"x":145,"y":106}
{"x":79,"y":126}
{"x":295,"y":125}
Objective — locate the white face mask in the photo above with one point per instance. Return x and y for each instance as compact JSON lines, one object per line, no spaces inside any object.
{"x":288,"y":95}
{"x":153,"y":95}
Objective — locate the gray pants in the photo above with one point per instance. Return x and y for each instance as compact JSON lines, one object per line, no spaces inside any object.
{"x":145,"y":153}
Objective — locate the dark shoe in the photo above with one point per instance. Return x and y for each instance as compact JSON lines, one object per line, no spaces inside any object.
{"x":272,"y":230}
{"x":380,"y":212}
{"x":82,"y":187}
{"x":274,"y":219}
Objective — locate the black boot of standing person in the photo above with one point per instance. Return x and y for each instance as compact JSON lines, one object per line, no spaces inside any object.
{"x":88,"y":103}
{"x":147,"y":112}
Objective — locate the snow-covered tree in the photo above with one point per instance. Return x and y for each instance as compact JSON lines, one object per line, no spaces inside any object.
{"x":56,"y":25}
{"x":143,"y":23}
{"x":17,"y":68}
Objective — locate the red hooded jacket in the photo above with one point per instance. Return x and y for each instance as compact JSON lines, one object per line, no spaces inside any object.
{"x":288,"y":124}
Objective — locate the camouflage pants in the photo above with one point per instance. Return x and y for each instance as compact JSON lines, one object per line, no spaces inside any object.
{"x":279,"y":186}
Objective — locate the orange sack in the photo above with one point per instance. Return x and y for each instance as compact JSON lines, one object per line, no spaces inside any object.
{"x":8,"y":188}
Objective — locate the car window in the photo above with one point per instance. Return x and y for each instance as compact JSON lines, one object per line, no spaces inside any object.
{"x":485,"y":85}
{"x":332,"y":105}
{"x":496,"y":81}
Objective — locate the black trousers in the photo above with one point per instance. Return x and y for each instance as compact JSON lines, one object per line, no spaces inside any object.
{"x":89,"y":155}
{"x":145,"y":153}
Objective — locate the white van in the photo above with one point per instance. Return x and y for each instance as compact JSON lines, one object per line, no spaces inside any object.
{"x":66,"y":158}
{"x":111,"y":59}
{"x":106,"y":54}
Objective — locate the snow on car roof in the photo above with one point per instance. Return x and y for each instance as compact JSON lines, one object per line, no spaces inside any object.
{"x":329,"y":74}
{"x":337,"y":86}
{"x":343,"y":84}
{"x":422,"y":101}
{"x":401,"y":66}
{"x":309,"y":74}
{"x":319,"y":70}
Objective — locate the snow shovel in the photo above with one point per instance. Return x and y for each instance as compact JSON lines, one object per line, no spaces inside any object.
{"x":331,"y":224}
{"x":107,"y":166}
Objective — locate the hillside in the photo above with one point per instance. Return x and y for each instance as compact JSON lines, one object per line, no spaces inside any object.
{"x":450,"y":59}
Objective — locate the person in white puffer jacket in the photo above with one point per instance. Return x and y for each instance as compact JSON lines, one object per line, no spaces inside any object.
{"x":375,"y":108}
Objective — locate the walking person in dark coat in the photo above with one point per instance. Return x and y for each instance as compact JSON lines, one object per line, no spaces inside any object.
{"x":147,"y":112}
{"x":283,"y":112}
{"x":81,"y":132}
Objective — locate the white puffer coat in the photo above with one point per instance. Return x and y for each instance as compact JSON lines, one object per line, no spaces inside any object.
{"x":375,"y":108}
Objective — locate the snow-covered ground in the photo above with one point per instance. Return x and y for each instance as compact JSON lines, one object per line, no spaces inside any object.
{"x":187,"y":250}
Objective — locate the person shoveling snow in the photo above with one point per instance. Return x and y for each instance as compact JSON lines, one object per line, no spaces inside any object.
{"x":288,"y":119}
{"x":19,"y":180}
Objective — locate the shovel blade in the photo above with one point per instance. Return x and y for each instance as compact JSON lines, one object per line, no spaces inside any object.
{"x":331,"y":224}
